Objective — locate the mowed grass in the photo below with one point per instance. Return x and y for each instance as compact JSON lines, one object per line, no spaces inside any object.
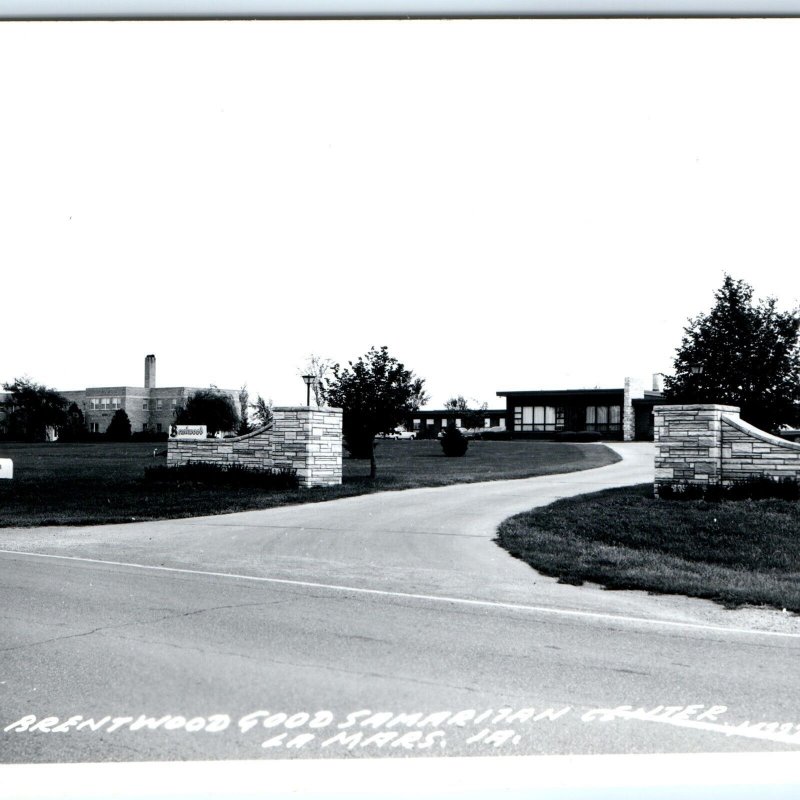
{"x":736,"y":553}
{"x":82,"y":484}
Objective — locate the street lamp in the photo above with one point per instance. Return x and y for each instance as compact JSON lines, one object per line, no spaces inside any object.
{"x":309,"y":379}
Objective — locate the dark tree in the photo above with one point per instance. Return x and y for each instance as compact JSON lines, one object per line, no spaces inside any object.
{"x":210,"y":407}
{"x":262,"y":411}
{"x":119,"y":429}
{"x":244,"y":404}
{"x":31,"y":410}
{"x":470,"y":417}
{"x":74,"y":430}
{"x":376,"y":393}
{"x":742,"y":353}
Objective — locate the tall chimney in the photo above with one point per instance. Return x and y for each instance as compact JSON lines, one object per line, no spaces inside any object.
{"x":150,"y":372}
{"x":658,"y":382}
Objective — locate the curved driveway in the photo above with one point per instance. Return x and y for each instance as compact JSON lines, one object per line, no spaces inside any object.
{"x":435,"y":541}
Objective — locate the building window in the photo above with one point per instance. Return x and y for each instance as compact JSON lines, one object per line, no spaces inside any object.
{"x":158,"y":427}
{"x":94,"y":427}
{"x":94,"y":404}
{"x":144,"y":405}
{"x":174,"y":402}
{"x":487,"y":422}
{"x":159,"y":404}
{"x":603,"y":418}
{"x":104,"y":401}
{"x":458,"y":422}
{"x":430,"y":422}
{"x":115,"y":402}
{"x":415,"y":424}
{"x":538,"y":418}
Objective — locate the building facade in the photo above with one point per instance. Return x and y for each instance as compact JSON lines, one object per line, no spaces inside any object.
{"x":149,"y":408}
{"x":624,"y":413}
{"x":428,"y":422}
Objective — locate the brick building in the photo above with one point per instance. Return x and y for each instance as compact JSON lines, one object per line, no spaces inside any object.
{"x":148,"y":407}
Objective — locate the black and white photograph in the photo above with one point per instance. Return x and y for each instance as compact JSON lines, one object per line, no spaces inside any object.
{"x":400,"y":408}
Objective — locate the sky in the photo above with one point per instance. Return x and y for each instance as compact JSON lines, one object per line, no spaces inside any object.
{"x":506,"y":205}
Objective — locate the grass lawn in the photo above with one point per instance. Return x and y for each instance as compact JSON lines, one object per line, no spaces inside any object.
{"x":81,"y":484}
{"x":743,"y":552}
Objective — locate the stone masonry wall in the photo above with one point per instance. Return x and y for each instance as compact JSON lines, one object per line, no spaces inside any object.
{"x":703,"y":444}
{"x":746,"y":451}
{"x":628,"y":418}
{"x":308,"y":440}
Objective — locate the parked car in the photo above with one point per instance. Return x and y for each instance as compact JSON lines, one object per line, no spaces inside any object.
{"x":467,"y":433}
{"x":397,"y":433}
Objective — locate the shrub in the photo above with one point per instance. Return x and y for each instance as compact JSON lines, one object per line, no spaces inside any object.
{"x":453,"y":442}
{"x":588,"y":436}
{"x":149,"y":436}
{"x":759,"y":487}
{"x":236,"y":475}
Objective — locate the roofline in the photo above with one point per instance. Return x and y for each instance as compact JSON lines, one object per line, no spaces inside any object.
{"x":459,"y":411}
{"x":530,"y":392}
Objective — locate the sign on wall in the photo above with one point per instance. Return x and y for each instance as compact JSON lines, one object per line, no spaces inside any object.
{"x":188,"y":431}
{"x":6,"y":468}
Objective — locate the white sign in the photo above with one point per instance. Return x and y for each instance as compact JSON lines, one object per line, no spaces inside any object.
{"x":187,"y":431}
{"x":6,"y":468}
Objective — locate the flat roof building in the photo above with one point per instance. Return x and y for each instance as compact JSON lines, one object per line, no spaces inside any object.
{"x":427,"y":422}
{"x":624,"y":413}
{"x":149,"y":408}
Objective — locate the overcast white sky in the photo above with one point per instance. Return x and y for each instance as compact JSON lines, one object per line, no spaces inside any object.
{"x":505,"y":204}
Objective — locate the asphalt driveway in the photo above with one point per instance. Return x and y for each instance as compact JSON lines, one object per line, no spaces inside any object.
{"x":432,"y":541}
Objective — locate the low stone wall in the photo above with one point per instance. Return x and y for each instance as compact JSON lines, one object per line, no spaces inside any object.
{"x":704,"y":444}
{"x":746,"y":451}
{"x":309,"y":440}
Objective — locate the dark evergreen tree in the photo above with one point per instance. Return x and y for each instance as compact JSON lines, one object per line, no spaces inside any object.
{"x":119,"y":429}
{"x":262,"y":411}
{"x":376,"y":393}
{"x":742,"y":353}
{"x":244,"y":419}
{"x":74,"y":429}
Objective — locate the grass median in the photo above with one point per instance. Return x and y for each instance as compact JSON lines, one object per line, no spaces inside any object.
{"x":85,"y":484}
{"x":734,"y":552}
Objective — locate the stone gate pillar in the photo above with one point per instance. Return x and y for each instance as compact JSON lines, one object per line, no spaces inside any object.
{"x":688,"y":441}
{"x":309,"y":439}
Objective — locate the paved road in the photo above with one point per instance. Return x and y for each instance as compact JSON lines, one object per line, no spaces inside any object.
{"x":283,"y":633}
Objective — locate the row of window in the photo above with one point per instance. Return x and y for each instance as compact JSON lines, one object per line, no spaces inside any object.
{"x":94,"y":427}
{"x":106,"y":403}
{"x":487,"y":422}
{"x":603,"y":418}
{"x":552,"y":418}
{"x":538,"y":418}
{"x":159,"y":404}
